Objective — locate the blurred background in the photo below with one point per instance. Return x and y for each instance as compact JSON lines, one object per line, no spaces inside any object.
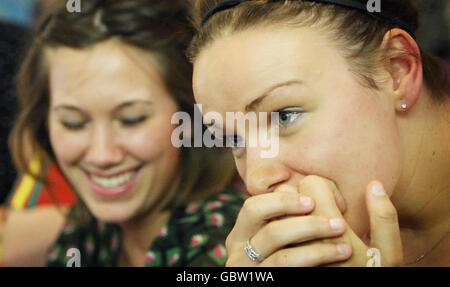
{"x":18,"y":16}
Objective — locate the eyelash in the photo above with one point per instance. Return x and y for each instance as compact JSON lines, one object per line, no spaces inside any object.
{"x":236,"y":140}
{"x":133,"y":121}
{"x":76,"y":126}
{"x":289,"y":111}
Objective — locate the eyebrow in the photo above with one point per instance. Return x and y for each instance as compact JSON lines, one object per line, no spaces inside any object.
{"x":130,"y":103}
{"x":253,"y":105}
{"x":121,"y":106}
{"x":68,"y":107}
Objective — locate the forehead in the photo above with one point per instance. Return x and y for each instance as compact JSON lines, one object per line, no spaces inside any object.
{"x":242,"y":64}
{"x":107,"y":68}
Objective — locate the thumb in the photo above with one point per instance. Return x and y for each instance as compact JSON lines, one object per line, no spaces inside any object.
{"x":384,"y":227}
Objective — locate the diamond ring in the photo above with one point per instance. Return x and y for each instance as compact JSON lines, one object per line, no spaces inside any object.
{"x":252,"y":253}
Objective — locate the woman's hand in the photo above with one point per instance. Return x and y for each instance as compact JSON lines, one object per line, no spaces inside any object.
{"x":384,"y":227}
{"x":289,"y":232}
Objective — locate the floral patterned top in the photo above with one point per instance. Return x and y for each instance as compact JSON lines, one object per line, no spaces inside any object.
{"x":194,"y":236}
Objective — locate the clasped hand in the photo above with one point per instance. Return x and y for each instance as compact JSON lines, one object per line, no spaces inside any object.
{"x":305,"y":226}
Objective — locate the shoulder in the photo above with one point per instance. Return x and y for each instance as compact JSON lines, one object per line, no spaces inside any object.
{"x":42,"y":224}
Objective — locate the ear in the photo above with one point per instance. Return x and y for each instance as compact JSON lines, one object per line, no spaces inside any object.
{"x":405,"y":68}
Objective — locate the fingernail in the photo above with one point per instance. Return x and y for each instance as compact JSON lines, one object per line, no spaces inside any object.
{"x":306,"y":201}
{"x":343,"y":249}
{"x":378,"y":190}
{"x":337,"y":224}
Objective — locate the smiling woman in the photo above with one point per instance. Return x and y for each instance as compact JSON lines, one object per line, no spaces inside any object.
{"x":97,"y":92}
{"x":363,"y":130}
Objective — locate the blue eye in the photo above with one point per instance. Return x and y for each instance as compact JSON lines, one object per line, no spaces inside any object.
{"x":287,"y":117}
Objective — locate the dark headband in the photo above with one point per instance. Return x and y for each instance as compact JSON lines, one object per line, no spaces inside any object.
{"x":351,"y":4}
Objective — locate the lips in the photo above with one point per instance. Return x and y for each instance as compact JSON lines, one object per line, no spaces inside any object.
{"x":115,"y":185}
{"x":115,"y":181}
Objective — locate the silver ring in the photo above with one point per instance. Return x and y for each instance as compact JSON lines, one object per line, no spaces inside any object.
{"x":252,"y":253}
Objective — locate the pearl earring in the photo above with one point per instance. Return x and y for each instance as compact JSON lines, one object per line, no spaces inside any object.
{"x":404,"y":106}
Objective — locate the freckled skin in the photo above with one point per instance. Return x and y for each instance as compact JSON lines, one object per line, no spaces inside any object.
{"x":98,"y":80}
{"x":348,"y":133}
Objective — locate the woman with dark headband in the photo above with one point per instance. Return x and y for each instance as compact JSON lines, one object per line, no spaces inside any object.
{"x":361,"y":177}
{"x":97,"y":93}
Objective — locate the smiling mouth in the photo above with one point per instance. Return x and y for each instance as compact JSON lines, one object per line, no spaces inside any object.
{"x":114,"y":181}
{"x":115,"y":185}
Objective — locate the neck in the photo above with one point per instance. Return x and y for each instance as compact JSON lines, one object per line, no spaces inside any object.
{"x":422,"y":195}
{"x":140,"y":231}
{"x":138,"y":235}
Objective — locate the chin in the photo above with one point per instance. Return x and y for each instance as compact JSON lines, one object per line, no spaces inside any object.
{"x":113,"y":212}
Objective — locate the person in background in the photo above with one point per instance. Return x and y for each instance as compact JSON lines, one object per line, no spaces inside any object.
{"x":97,"y":93}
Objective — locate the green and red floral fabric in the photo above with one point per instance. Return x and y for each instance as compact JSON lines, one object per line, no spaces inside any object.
{"x":194,"y":236}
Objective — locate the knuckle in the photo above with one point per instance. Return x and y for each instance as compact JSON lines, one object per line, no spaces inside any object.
{"x":250,"y":209}
{"x":387,"y":214}
{"x":311,"y":183}
{"x":228,"y":242}
{"x":281,"y":259}
{"x":310,"y":180}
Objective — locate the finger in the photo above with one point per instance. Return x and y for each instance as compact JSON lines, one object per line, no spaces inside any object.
{"x":339,"y":199}
{"x":239,"y":259}
{"x":321,"y":190}
{"x":384,"y":226}
{"x":286,"y":188}
{"x":278,"y":234}
{"x":314,"y":254}
{"x":258,"y":209}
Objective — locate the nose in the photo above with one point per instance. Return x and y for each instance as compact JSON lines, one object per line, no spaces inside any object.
{"x":264,"y":174}
{"x":103,"y":151}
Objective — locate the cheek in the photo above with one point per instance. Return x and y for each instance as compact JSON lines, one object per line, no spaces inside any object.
{"x":67,"y":146}
{"x":361,"y":142}
{"x":151,"y":140}
{"x":349,"y":146}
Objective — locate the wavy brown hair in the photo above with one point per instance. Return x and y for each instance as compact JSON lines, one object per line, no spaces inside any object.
{"x":358,"y":35}
{"x":157,"y":26}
